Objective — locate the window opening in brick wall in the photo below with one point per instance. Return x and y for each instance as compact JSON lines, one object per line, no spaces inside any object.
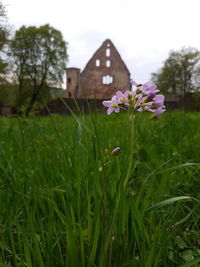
{"x":107,"y":52}
{"x":107,"y":63}
{"x":107,"y":79}
{"x":108,"y":44}
{"x":97,"y":62}
{"x":69,"y":80}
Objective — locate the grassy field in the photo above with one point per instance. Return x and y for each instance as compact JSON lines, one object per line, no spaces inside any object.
{"x":63,"y":201}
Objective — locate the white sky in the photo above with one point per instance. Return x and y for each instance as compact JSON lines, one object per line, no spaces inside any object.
{"x":143,"y":31}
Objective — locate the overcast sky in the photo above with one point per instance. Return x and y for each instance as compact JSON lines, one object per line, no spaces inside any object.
{"x":143,"y":31}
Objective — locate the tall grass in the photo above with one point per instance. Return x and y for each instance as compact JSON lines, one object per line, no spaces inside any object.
{"x":63,"y":201}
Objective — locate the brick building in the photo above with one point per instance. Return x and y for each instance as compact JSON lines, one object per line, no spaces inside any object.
{"x":104,"y":74}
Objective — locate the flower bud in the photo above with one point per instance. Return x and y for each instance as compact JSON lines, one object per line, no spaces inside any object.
{"x":116,"y":150}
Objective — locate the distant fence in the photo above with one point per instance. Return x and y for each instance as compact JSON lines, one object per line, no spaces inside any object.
{"x":189,"y":102}
{"x":172,"y":102}
{"x":75,"y":105}
{"x":6,"y":110}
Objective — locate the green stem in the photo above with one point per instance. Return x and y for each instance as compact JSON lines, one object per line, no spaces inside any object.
{"x":132,"y":136}
{"x":110,"y":231}
{"x":123,"y":108}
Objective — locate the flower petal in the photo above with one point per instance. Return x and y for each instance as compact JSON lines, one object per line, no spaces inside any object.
{"x":109,"y":110}
{"x":114,"y":100}
{"x":119,"y":94}
{"x":159,"y":98}
{"x":134,"y":82}
{"x":127,"y":92}
{"x":107,"y":103}
{"x":140,"y":109}
{"x":159,"y":111}
{"x":117,"y":110}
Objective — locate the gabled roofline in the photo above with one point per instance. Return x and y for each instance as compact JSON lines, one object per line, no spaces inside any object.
{"x":107,"y":40}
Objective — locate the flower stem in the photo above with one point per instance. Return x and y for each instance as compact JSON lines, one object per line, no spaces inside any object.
{"x":130,"y":165}
{"x":108,"y":239}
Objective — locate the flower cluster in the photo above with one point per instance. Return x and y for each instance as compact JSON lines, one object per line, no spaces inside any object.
{"x":143,"y":98}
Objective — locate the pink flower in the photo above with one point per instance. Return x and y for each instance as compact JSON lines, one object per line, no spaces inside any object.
{"x":149,"y":88}
{"x":122,"y":98}
{"x":112,"y":105}
{"x":130,"y":95}
{"x":150,"y":100}
{"x":126,"y":98}
{"x":144,"y":98}
{"x":139,"y":102}
{"x":146,"y":88}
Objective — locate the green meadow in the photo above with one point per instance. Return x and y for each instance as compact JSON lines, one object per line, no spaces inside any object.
{"x":62,"y":196}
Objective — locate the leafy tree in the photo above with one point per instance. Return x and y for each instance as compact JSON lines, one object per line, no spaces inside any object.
{"x":4,"y":33}
{"x":39,"y":59}
{"x":178,"y":74}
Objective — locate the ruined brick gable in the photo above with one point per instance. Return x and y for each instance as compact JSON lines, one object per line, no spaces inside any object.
{"x":102,"y":77}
